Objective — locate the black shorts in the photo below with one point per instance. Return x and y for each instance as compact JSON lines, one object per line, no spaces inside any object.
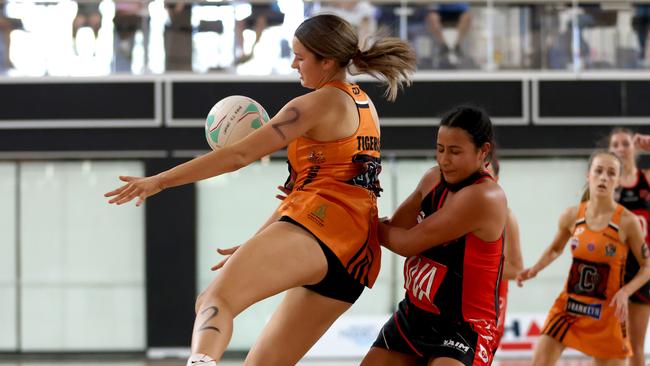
{"x":338,"y":284}
{"x":87,"y":9}
{"x":271,"y":12}
{"x":428,"y":336}
{"x":642,"y":295}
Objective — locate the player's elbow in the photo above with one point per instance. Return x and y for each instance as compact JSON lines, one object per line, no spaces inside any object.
{"x":397,"y":248}
{"x":407,"y":249}
{"x":239,"y":158}
{"x":646,"y":269}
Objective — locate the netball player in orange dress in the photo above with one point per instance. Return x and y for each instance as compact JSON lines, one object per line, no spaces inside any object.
{"x":591,"y":312}
{"x":634,"y":194}
{"x":320,"y":244}
{"x":450,"y":229}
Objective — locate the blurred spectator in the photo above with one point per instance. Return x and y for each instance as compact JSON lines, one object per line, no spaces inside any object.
{"x":262,"y":16}
{"x":131,"y":16}
{"x":7,"y":25}
{"x":442,"y":14}
{"x":388,"y":17}
{"x":560,"y":37}
{"x":178,"y":37}
{"x":87,"y":16}
{"x":560,"y":54}
{"x":641,"y":24}
{"x":361,"y":14}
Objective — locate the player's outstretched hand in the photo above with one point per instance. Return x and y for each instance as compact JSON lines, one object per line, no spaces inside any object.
{"x":525,"y":275}
{"x":620,"y":301}
{"x":642,"y":141}
{"x":135,"y":187}
{"x":228,"y":252}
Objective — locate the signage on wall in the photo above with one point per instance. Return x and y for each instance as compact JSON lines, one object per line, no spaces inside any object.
{"x":352,"y":336}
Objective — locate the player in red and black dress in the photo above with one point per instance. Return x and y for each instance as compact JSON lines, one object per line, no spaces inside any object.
{"x":451,"y":231}
{"x":634,"y":194}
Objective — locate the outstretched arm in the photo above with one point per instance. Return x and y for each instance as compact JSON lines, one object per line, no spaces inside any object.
{"x":642,"y":141}
{"x":565,"y":227}
{"x":295,"y":119}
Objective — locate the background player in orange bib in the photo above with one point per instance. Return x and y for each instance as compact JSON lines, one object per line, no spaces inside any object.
{"x":633,"y":193}
{"x":591,"y":312}
{"x":450,"y":229}
{"x":332,"y":134}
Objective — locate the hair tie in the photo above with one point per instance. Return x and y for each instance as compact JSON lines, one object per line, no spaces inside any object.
{"x":357,"y":55}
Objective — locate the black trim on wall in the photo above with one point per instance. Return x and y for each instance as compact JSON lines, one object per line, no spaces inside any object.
{"x":171,"y":261}
{"x":431,"y":99}
{"x":193,"y":100}
{"x":594,"y":98}
{"x":49,"y":102}
{"x":102,"y":139}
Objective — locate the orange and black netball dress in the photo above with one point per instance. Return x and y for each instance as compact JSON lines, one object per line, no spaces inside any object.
{"x":581,"y":317}
{"x":334,"y":187}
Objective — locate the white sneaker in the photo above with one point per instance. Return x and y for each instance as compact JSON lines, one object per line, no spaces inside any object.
{"x":199,"y":359}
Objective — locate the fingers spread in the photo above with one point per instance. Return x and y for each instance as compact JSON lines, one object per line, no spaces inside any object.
{"x":218,"y":265}
{"x":227,"y":251}
{"x":116,"y":191}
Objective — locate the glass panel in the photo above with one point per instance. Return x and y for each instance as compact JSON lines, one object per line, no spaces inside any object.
{"x":8,"y":341}
{"x":641,"y":28}
{"x":513,"y":35}
{"x":562,"y":182}
{"x":100,"y":37}
{"x":82,"y":261}
{"x":612,"y":36}
{"x":443,"y":35}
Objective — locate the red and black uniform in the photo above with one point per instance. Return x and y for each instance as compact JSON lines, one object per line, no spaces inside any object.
{"x":503,"y":304}
{"x":637,"y":199}
{"x":452,"y":301}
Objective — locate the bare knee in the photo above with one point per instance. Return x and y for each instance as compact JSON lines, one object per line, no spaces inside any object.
{"x":212,"y":298}
{"x":199,"y":302}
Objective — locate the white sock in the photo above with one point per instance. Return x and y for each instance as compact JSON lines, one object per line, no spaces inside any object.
{"x":199,"y":359}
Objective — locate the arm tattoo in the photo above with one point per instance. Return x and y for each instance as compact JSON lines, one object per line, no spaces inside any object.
{"x":205,"y":325}
{"x":291,"y":120}
{"x":645,"y":252}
